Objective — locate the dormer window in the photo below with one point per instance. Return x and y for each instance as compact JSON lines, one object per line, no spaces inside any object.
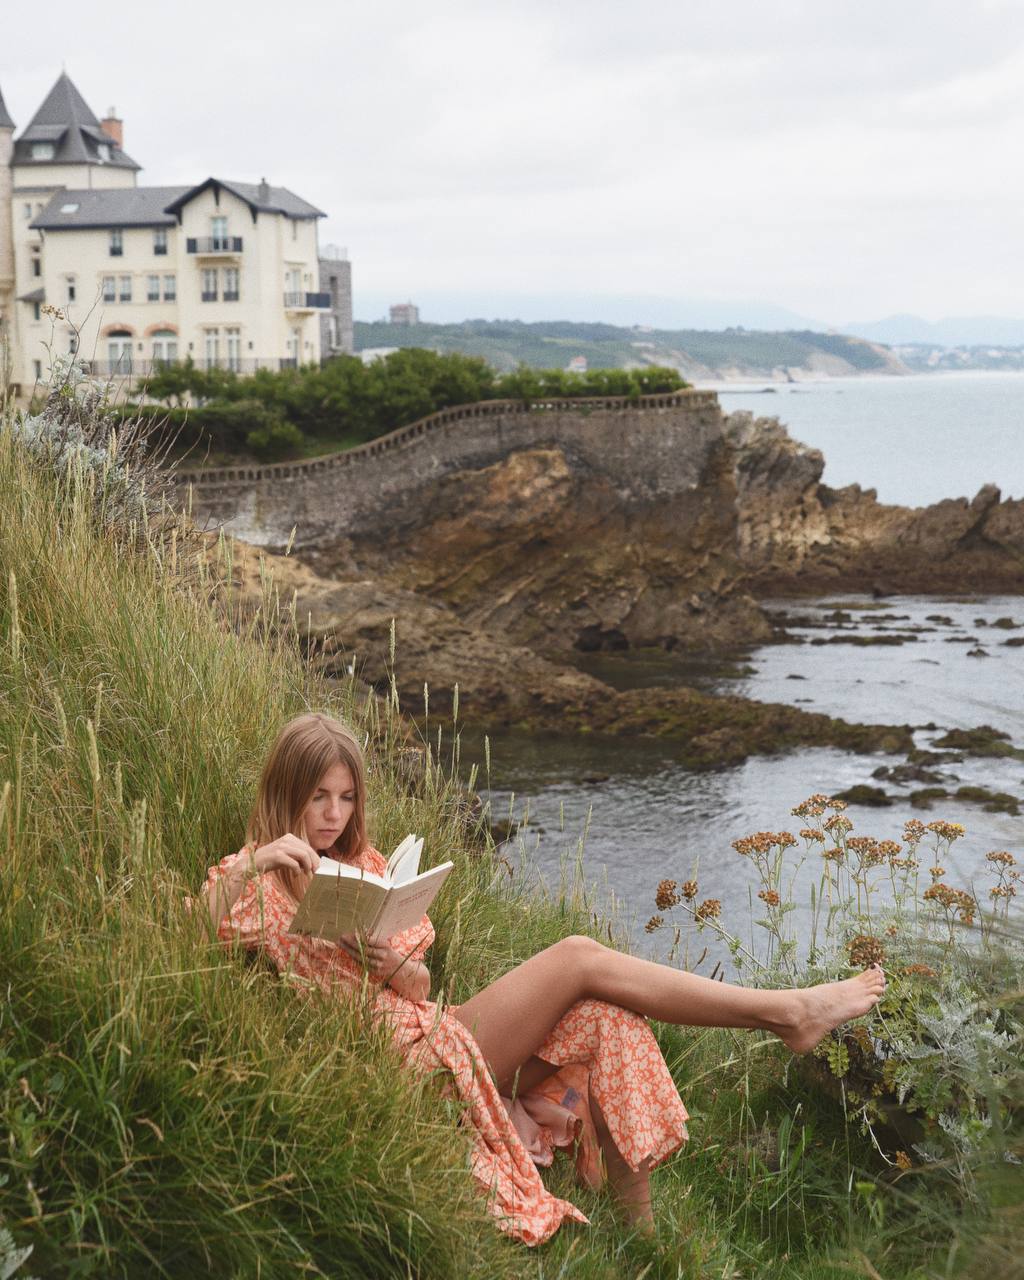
{"x":43,"y":150}
{"x":103,"y":150}
{"x":219,"y":232}
{"x":69,"y":208}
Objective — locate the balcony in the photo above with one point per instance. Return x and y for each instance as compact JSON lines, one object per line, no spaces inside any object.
{"x":307,"y":301}
{"x":135,"y":367}
{"x":214,"y":246}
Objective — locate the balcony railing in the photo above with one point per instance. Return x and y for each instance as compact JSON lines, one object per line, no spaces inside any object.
{"x":131,"y":367}
{"x":213,"y":244}
{"x":307,"y":301}
{"x":208,"y":295}
{"x":230,"y":295}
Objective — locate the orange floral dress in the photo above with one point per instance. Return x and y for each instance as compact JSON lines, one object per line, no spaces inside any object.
{"x":603,"y":1051}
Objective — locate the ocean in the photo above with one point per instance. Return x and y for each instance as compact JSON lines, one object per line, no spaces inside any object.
{"x":625,"y":815}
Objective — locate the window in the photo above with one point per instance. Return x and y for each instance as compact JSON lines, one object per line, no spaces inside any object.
{"x":36,"y":312}
{"x":152,"y":288}
{"x":72,"y":343}
{"x":124,"y":289}
{"x":69,"y":208}
{"x":116,"y":243}
{"x":70,"y":288}
{"x":27,"y":210}
{"x":37,"y":265}
{"x":38,"y":366}
{"x":295,"y":230}
{"x":119,"y":352}
{"x":104,"y":150}
{"x":109,"y":287}
{"x":212,"y":348}
{"x":165,"y":346}
{"x":160,"y":242}
{"x":294,"y":345}
{"x":234,"y":344}
{"x":219,"y":232}
{"x":43,"y":150}
{"x":209,"y":293}
{"x":170,"y":289}
{"x":231,"y":275}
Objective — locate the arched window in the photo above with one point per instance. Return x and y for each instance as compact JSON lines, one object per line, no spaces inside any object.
{"x":165,"y":346}
{"x":119,"y":350}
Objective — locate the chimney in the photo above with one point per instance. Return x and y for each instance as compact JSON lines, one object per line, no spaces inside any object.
{"x":114,"y":126}
{"x":263,"y":194}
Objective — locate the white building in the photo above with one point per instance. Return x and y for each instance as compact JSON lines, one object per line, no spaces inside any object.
{"x":225,"y":273}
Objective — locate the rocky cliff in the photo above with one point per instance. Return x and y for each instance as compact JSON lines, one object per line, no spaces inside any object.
{"x":795,"y":535}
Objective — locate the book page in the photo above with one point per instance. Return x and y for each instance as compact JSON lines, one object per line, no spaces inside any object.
{"x":404,"y":863}
{"x":406,"y":904}
{"x":334,"y":905}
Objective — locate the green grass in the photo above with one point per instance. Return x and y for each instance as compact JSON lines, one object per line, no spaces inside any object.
{"x":169,"y":1109}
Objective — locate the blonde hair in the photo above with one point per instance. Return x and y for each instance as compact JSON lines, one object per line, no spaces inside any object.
{"x":303,"y":751}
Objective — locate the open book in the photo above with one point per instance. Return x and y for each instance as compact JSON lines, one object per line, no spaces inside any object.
{"x":344,"y":899}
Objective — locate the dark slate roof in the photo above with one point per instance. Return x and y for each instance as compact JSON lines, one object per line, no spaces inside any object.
{"x":259,"y":196}
{"x":66,"y":120}
{"x":117,"y":207}
{"x":5,"y":120}
{"x":37,"y":295}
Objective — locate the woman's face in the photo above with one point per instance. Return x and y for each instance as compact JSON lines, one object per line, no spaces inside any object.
{"x":328,"y":813}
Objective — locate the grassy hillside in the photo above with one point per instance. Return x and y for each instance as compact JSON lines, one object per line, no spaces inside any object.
{"x":168,"y":1109}
{"x":551,"y":344}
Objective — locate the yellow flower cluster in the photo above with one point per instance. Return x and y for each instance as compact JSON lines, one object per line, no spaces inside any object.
{"x":913,"y":831}
{"x":948,"y":830}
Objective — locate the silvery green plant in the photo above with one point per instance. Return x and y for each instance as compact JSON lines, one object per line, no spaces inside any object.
{"x":946,"y":1041}
{"x":77,"y":435}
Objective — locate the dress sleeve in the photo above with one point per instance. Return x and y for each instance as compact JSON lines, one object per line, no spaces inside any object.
{"x":261,"y":913}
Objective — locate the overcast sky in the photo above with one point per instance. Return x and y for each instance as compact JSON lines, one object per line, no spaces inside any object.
{"x":844,"y":159}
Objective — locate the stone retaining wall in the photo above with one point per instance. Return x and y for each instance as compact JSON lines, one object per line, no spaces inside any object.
{"x":649,"y":448}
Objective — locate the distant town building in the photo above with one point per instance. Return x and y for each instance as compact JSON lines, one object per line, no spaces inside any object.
{"x":578,"y":364}
{"x":227,"y":273}
{"x":336,"y":282}
{"x":370,"y":354}
{"x":405,"y":313}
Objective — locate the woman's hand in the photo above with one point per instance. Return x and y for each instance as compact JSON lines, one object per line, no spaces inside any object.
{"x":376,"y":957}
{"x":288,"y":853}
{"x":407,"y":978}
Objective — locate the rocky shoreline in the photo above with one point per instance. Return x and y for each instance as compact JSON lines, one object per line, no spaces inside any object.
{"x":504,"y":575}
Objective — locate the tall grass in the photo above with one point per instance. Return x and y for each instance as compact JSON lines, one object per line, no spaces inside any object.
{"x":168,"y":1109}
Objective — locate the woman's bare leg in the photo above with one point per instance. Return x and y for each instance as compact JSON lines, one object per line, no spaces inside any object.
{"x":513,"y":1016}
{"x":631,"y":1188}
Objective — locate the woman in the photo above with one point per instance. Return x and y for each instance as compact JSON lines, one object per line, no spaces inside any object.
{"x":569,"y":1021}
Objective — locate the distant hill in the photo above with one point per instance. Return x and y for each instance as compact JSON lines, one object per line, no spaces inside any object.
{"x":953,"y":331}
{"x":699,"y":354}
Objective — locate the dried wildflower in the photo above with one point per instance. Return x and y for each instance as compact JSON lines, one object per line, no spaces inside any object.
{"x":812,"y":833}
{"x":913,"y":831}
{"x":867,"y":850}
{"x":936,"y":872}
{"x":952,"y":900}
{"x":1006,"y":891}
{"x":838,"y":823}
{"x":812,"y":807}
{"x":903,"y":1160}
{"x":709,"y":909}
{"x":919,"y":971}
{"x":655,"y":922}
{"x":832,"y":853}
{"x":1001,"y":859}
{"x":688,"y":889}
{"x":785,"y":839}
{"x":905,"y":864}
{"x":866,"y":950}
{"x":770,"y":897}
{"x":53,"y":312}
{"x":892,"y":931}
{"x":947,"y":830}
{"x":838,"y":805}
{"x":889,"y":849}
{"x":666,"y":897}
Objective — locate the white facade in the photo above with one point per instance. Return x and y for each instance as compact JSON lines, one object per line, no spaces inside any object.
{"x":224,"y":273}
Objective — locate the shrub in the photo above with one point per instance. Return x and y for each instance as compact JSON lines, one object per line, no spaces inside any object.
{"x":278,"y":440}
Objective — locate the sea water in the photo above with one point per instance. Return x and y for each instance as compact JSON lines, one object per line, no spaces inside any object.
{"x":628,"y":814}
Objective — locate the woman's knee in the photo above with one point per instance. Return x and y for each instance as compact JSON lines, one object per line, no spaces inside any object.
{"x":581,"y":957}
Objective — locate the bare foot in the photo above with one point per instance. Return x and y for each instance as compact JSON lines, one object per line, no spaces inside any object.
{"x":817,"y":1010}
